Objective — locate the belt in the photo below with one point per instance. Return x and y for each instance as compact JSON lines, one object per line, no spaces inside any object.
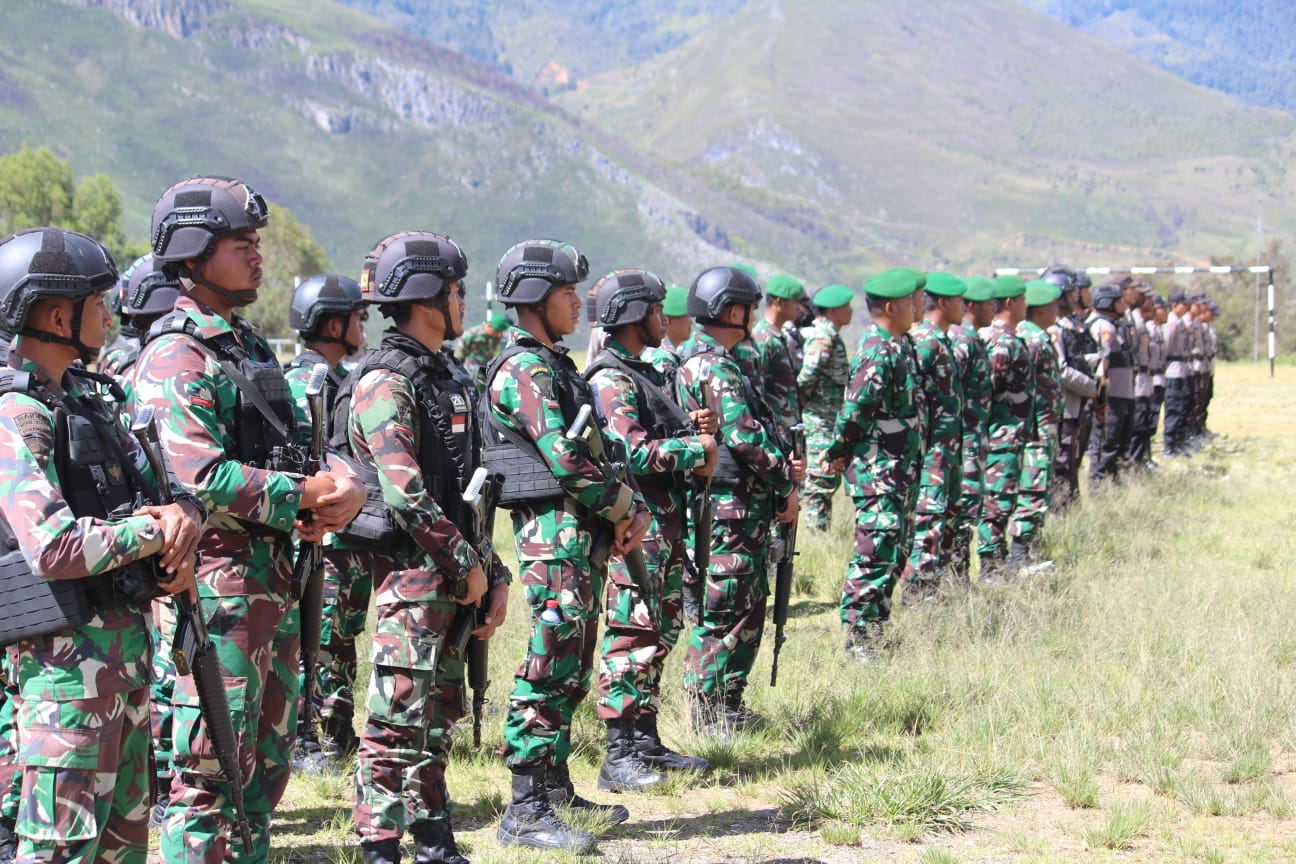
{"x":1177,"y":358}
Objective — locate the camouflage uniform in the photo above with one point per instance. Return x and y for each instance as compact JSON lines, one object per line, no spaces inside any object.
{"x":723,"y":647}
{"x":244,"y":588}
{"x":348,"y":585}
{"x":475,"y":349}
{"x":821,"y":384}
{"x":973,"y":364}
{"x":1039,"y":454}
{"x":878,"y":429}
{"x":10,"y":776}
{"x":1009,"y":427}
{"x":82,"y":713}
{"x":939,"y":497}
{"x":777,"y":375}
{"x":554,"y":541}
{"x":417,"y":690}
{"x":641,"y":631}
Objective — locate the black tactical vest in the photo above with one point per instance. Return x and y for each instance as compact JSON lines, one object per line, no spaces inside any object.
{"x":660,"y":416}
{"x":1121,"y":356}
{"x":332,"y":384}
{"x":729,"y":470}
{"x":1077,"y":342}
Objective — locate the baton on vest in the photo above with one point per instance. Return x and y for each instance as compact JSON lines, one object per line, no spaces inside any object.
{"x":192,"y":650}
{"x":783,"y":566}
{"x":308,"y":569}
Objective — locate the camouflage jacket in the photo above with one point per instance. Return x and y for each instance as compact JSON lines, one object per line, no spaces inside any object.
{"x":973,"y":364}
{"x":939,"y":379}
{"x":660,"y":457}
{"x":666,"y":361}
{"x":475,"y":349}
{"x":110,"y":653}
{"x":878,"y":426}
{"x":197,"y":405}
{"x":1012,"y":388}
{"x":117,"y":360}
{"x":711,"y":377}
{"x":522,"y":397}
{"x":795,"y":339}
{"x":825,"y":370}
{"x":778,"y":374}
{"x":1048,"y":398}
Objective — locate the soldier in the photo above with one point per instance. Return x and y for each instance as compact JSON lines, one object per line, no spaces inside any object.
{"x":1039,"y":454}
{"x":1157,"y":356}
{"x":752,"y":472}
{"x":878,"y":431}
{"x":478,"y":345}
{"x":1178,"y":398}
{"x":940,"y":479}
{"x":328,"y":314}
{"x":1012,"y":384}
{"x":70,"y":501}
{"x":794,"y":332}
{"x":821,"y":384}
{"x":145,"y":295}
{"x":678,"y":323}
{"x":783,"y":294}
{"x":973,"y":366}
{"x":1116,"y":365}
{"x":412,"y":429}
{"x":233,"y":436}
{"x":1076,"y":353}
{"x":1210,"y":348}
{"x":1139,"y":453}
{"x":660,"y":444}
{"x":562,"y":501}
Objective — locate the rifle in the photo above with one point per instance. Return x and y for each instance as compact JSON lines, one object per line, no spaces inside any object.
{"x":702,"y":521}
{"x":192,"y":650}
{"x":308,"y":576}
{"x":634,"y":559}
{"x":783,"y":564}
{"x":481,"y":496}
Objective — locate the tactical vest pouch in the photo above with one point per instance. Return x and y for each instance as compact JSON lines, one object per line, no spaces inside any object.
{"x":728,"y":470}
{"x":37,"y":607}
{"x":374,"y":528}
{"x":527,"y":478}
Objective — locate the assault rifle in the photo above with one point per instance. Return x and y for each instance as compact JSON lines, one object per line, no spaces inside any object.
{"x":192,"y":650}
{"x":783,"y":558}
{"x":481,"y":496}
{"x":308,"y":575}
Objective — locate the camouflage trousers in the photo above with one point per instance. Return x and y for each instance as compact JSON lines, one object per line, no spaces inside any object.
{"x":639,"y":632}
{"x":10,"y":777}
{"x":818,"y":488}
{"x":555,"y":673}
{"x":999,"y":499}
{"x":971,"y":488}
{"x":731,"y":619}
{"x":1033,"y":490}
{"x":936,"y":519}
{"x":163,"y":686}
{"x":415,"y":696}
{"x":883,"y":536}
{"x":348,"y":586}
{"x":85,"y":779}
{"x":258,"y":641}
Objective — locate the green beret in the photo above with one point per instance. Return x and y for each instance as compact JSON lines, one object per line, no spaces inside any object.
{"x":746,"y":268}
{"x":1041,"y":293}
{"x":945,"y":285}
{"x":892,"y":284}
{"x":676,"y":303}
{"x":785,"y":287}
{"x":499,"y":322}
{"x":919,"y":277}
{"x":1007,"y":287}
{"x":979,"y":289}
{"x":833,"y":296}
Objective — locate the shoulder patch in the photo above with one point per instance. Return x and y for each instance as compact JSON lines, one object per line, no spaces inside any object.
{"x":36,"y":431}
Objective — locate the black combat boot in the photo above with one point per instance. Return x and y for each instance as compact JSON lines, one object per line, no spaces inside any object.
{"x":623,"y":770}
{"x":380,"y":851}
{"x":562,"y":793}
{"x":434,"y":843}
{"x":739,"y":716}
{"x":161,"y":800}
{"x":707,"y":716}
{"x":337,"y":737}
{"x":656,"y":754}
{"x":8,"y":841}
{"x":308,"y":752}
{"x":530,"y":819}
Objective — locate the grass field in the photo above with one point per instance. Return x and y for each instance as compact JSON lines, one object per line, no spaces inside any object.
{"x":1134,"y":705}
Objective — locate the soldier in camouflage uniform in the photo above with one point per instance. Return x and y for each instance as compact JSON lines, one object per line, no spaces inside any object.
{"x":821,"y":383}
{"x":794,"y":332}
{"x":941,"y":480}
{"x":328,"y":314}
{"x":973,"y":366}
{"x":10,"y":777}
{"x":412,"y":427}
{"x":1010,"y":426}
{"x":752,"y":472}
{"x":203,"y":369}
{"x":561,"y":498}
{"x":144,"y":295}
{"x":479,"y":345}
{"x":82,"y":717}
{"x":658,"y":438}
{"x":877,"y":434}
{"x":1039,"y":455}
{"x":783,"y":296}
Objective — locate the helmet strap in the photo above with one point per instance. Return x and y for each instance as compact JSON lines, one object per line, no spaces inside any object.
{"x":86,"y":353}
{"x":238,"y":299}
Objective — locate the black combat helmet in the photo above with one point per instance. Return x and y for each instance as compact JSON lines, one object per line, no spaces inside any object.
{"x":193,"y":214}
{"x":52,"y":264}
{"x":529,"y":271}
{"x":319,"y":297}
{"x":1063,"y":277}
{"x":626,"y":297}
{"x":145,"y":292}
{"x":411,"y":266}
{"x":718,"y":288}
